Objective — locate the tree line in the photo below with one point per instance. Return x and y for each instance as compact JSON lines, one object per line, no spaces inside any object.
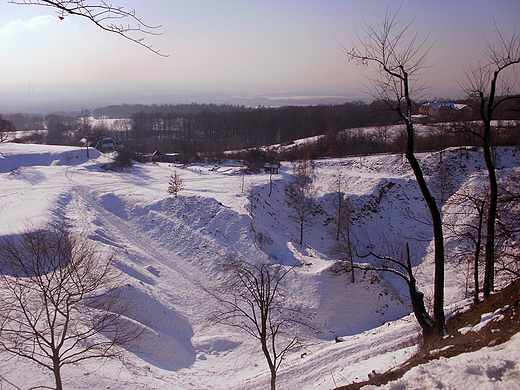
{"x":218,"y":130}
{"x":193,"y":129}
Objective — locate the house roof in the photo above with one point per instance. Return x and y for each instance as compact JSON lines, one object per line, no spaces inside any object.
{"x":453,"y":106}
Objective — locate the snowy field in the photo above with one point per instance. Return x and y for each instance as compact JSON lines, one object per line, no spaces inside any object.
{"x":167,"y":247}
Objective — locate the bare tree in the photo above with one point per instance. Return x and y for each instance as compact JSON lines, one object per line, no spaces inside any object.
{"x":272,"y":172}
{"x":112,"y":18}
{"x":344,"y":245}
{"x":59,"y":304}
{"x":252,"y":298}
{"x":120,"y":129}
{"x":84,"y":122}
{"x":399,"y":63}
{"x":175,"y":184}
{"x":399,"y":263}
{"x":468,"y":229}
{"x":490,"y":84}
{"x":300,"y":194}
{"x":508,"y":228}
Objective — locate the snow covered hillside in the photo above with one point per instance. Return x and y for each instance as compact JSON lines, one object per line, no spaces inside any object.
{"x":167,"y":247}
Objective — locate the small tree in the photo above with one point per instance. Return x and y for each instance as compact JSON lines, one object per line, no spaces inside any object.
{"x":508,"y":229}
{"x":59,"y":306}
{"x":175,"y":184}
{"x":344,"y":245}
{"x":271,"y":178}
{"x":252,"y":299}
{"x":300,"y":194}
{"x":123,"y":158}
{"x":468,"y":229}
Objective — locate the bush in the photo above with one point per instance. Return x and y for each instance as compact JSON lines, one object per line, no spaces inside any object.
{"x":123,"y":158}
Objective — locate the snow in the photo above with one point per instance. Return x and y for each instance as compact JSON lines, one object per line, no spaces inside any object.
{"x":166,"y":248}
{"x":484,"y":320}
{"x":491,"y":368}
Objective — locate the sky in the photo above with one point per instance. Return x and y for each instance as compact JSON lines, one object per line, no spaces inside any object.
{"x":227,"y":51}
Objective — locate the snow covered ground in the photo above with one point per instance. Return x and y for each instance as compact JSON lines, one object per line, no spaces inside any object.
{"x":167,"y":247}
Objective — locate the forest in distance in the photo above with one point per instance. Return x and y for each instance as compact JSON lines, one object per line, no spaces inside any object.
{"x":191,"y":129}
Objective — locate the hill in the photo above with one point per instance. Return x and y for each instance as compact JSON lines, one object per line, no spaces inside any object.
{"x":167,"y":247}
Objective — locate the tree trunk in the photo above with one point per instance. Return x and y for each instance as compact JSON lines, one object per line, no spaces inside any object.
{"x":486,"y":114}
{"x":273,"y":379}
{"x":422,"y":316}
{"x":56,"y":369}
{"x":417,"y":298}
{"x":302,"y":225}
{"x":265,"y":349}
{"x":478,"y":248}
{"x":438,"y":303}
{"x":491,"y":218}
{"x":438,"y":298}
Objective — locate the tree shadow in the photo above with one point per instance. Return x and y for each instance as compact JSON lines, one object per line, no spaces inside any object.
{"x":165,"y":335}
{"x":34,"y":253}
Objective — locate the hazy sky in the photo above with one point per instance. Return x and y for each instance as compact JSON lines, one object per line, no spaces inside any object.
{"x":225,"y":48}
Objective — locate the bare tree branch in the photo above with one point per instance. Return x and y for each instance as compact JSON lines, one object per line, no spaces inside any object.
{"x":253,"y":299}
{"x":399,"y":263}
{"x":108,"y":17}
{"x":399,"y":61}
{"x":300,"y":193}
{"x":59,"y":306}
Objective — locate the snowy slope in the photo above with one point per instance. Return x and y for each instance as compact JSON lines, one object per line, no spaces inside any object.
{"x":167,"y":247}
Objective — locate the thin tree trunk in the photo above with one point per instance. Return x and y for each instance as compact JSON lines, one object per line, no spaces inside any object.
{"x":302,"y":223}
{"x":270,"y":363}
{"x":56,"y":369}
{"x":491,"y":220}
{"x":265,"y":348}
{"x":478,"y":248}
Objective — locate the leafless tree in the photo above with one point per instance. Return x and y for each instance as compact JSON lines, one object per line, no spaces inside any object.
{"x":466,"y":225}
{"x":109,"y":17}
{"x":491,"y":83}
{"x":59,"y":303}
{"x":344,"y":245}
{"x":300,"y":193}
{"x":253,"y":299}
{"x":399,"y":60}
{"x":271,"y":181}
{"x":253,"y":196}
{"x":84,"y":122}
{"x":507,"y":245}
{"x":443,"y":185}
{"x":175,"y":184}
{"x":398,"y":262}
{"x":120,"y":129}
